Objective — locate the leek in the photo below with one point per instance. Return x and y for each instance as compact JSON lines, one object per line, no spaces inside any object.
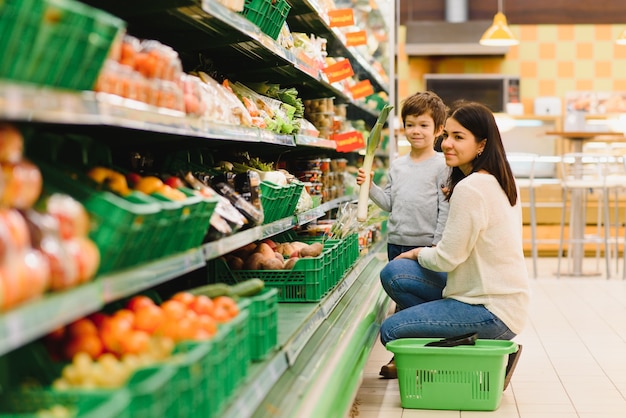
{"x":372,"y":143}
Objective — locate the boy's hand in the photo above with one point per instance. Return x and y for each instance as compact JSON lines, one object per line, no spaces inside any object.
{"x":360,"y":177}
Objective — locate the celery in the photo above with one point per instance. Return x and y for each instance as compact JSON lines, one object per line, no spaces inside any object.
{"x":372,"y":143}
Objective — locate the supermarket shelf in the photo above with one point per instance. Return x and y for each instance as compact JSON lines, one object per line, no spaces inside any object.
{"x":238,"y":240}
{"x":308,"y":337}
{"x":23,"y":102}
{"x":304,"y":16}
{"x":237,"y":47}
{"x":37,"y":318}
{"x":134,"y":280}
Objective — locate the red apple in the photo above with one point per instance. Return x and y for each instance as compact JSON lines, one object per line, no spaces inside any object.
{"x":63,"y":266}
{"x":35,"y":274}
{"x":87,"y":257}
{"x":72,"y":217}
{"x":16,"y":230}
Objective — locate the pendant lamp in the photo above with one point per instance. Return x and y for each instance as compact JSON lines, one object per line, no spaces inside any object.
{"x":499,"y":33}
{"x":621,"y":40}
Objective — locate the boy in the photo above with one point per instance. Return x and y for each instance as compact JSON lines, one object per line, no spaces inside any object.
{"x":413,"y":195}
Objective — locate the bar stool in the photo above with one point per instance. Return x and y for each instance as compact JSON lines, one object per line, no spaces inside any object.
{"x":531,"y":172}
{"x":582,"y":175}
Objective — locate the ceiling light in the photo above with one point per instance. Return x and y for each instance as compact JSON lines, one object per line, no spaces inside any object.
{"x":499,"y":33}
{"x":621,"y":40}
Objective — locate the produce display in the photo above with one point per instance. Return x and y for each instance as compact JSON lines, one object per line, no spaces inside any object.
{"x":104,"y":350}
{"x":43,"y":238}
{"x":269,"y":255}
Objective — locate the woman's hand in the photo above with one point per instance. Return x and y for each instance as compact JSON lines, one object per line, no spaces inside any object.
{"x":360,"y":177}
{"x":411,"y":254}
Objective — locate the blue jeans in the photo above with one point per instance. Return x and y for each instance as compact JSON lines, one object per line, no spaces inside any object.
{"x":424,"y":313}
{"x":394,"y":250}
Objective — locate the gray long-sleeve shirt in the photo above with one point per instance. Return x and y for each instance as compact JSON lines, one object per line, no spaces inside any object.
{"x":414,"y":199}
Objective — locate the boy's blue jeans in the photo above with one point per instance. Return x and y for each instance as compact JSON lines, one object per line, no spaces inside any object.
{"x":424,"y":313}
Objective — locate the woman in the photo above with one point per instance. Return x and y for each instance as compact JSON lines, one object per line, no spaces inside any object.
{"x":481,"y":248}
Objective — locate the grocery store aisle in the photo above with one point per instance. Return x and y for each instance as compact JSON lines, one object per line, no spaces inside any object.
{"x":573,"y":362}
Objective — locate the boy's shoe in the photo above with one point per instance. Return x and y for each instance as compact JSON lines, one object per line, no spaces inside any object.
{"x":389,"y":371}
{"x":510,"y":367}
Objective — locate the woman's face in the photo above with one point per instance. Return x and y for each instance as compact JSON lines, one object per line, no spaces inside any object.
{"x":459,"y":146}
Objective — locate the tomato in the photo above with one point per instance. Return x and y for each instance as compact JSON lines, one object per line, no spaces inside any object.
{"x":139,"y":301}
{"x":135,"y":342}
{"x":184,"y":297}
{"x":207,"y":324}
{"x":83,"y":326}
{"x":202,"y":305}
{"x":84,"y":343}
{"x":225,"y":308}
{"x":148,"y":318}
{"x":174,"y":308}
{"x":114,"y":329}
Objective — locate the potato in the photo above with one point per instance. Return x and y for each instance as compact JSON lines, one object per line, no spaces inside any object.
{"x":271,"y":264}
{"x":253,"y":262}
{"x":245,"y":251}
{"x":265,"y":249}
{"x":279,"y":256}
{"x":298,"y":245}
{"x":290,"y":263}
{"x":313,"y":250}
{"x":234,"y":262}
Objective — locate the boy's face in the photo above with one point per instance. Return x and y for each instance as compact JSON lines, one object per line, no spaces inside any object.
{"x":420,"y":131}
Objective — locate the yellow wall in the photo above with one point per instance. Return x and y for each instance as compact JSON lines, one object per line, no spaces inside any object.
{"x":551,"y":60}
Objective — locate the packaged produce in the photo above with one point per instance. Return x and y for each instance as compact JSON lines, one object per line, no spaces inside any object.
{"x":251,"y":213}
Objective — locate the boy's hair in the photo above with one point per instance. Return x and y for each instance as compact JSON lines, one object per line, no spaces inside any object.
{"x":425,"y":102}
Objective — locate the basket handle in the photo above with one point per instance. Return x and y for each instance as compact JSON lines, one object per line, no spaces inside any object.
{"x":465,"y":339}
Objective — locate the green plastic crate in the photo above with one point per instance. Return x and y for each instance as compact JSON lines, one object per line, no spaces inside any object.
{"x":304,"y":283}
{"x":335,"y":264}
{"x":123,"y":228}
{"x":466,"y":378}
{"x":217,"y":363}
{"x":151,"y":391}
{"x":46,"y":37}
{"x":238,"y":360}
{"x":279,"y":201}
{"x":191,"y":380}
{"x":30,"y":403}
{"x":268,"y":15}
{"x":263,"y":323}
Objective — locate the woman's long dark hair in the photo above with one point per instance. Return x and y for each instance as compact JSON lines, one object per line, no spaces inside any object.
{"x":479,"y":120}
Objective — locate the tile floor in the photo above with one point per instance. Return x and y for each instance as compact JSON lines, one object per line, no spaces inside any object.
{"x":573,"y":363}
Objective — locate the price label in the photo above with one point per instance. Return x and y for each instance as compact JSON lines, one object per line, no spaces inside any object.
{"x":361,"y":89}
{"x":340,"y":17}
{"x":349,"y":141}
{"x":339,"y":71}
{"x":356,"y":38}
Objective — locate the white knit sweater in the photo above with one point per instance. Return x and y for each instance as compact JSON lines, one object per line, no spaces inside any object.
{"x":481,"y":249}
